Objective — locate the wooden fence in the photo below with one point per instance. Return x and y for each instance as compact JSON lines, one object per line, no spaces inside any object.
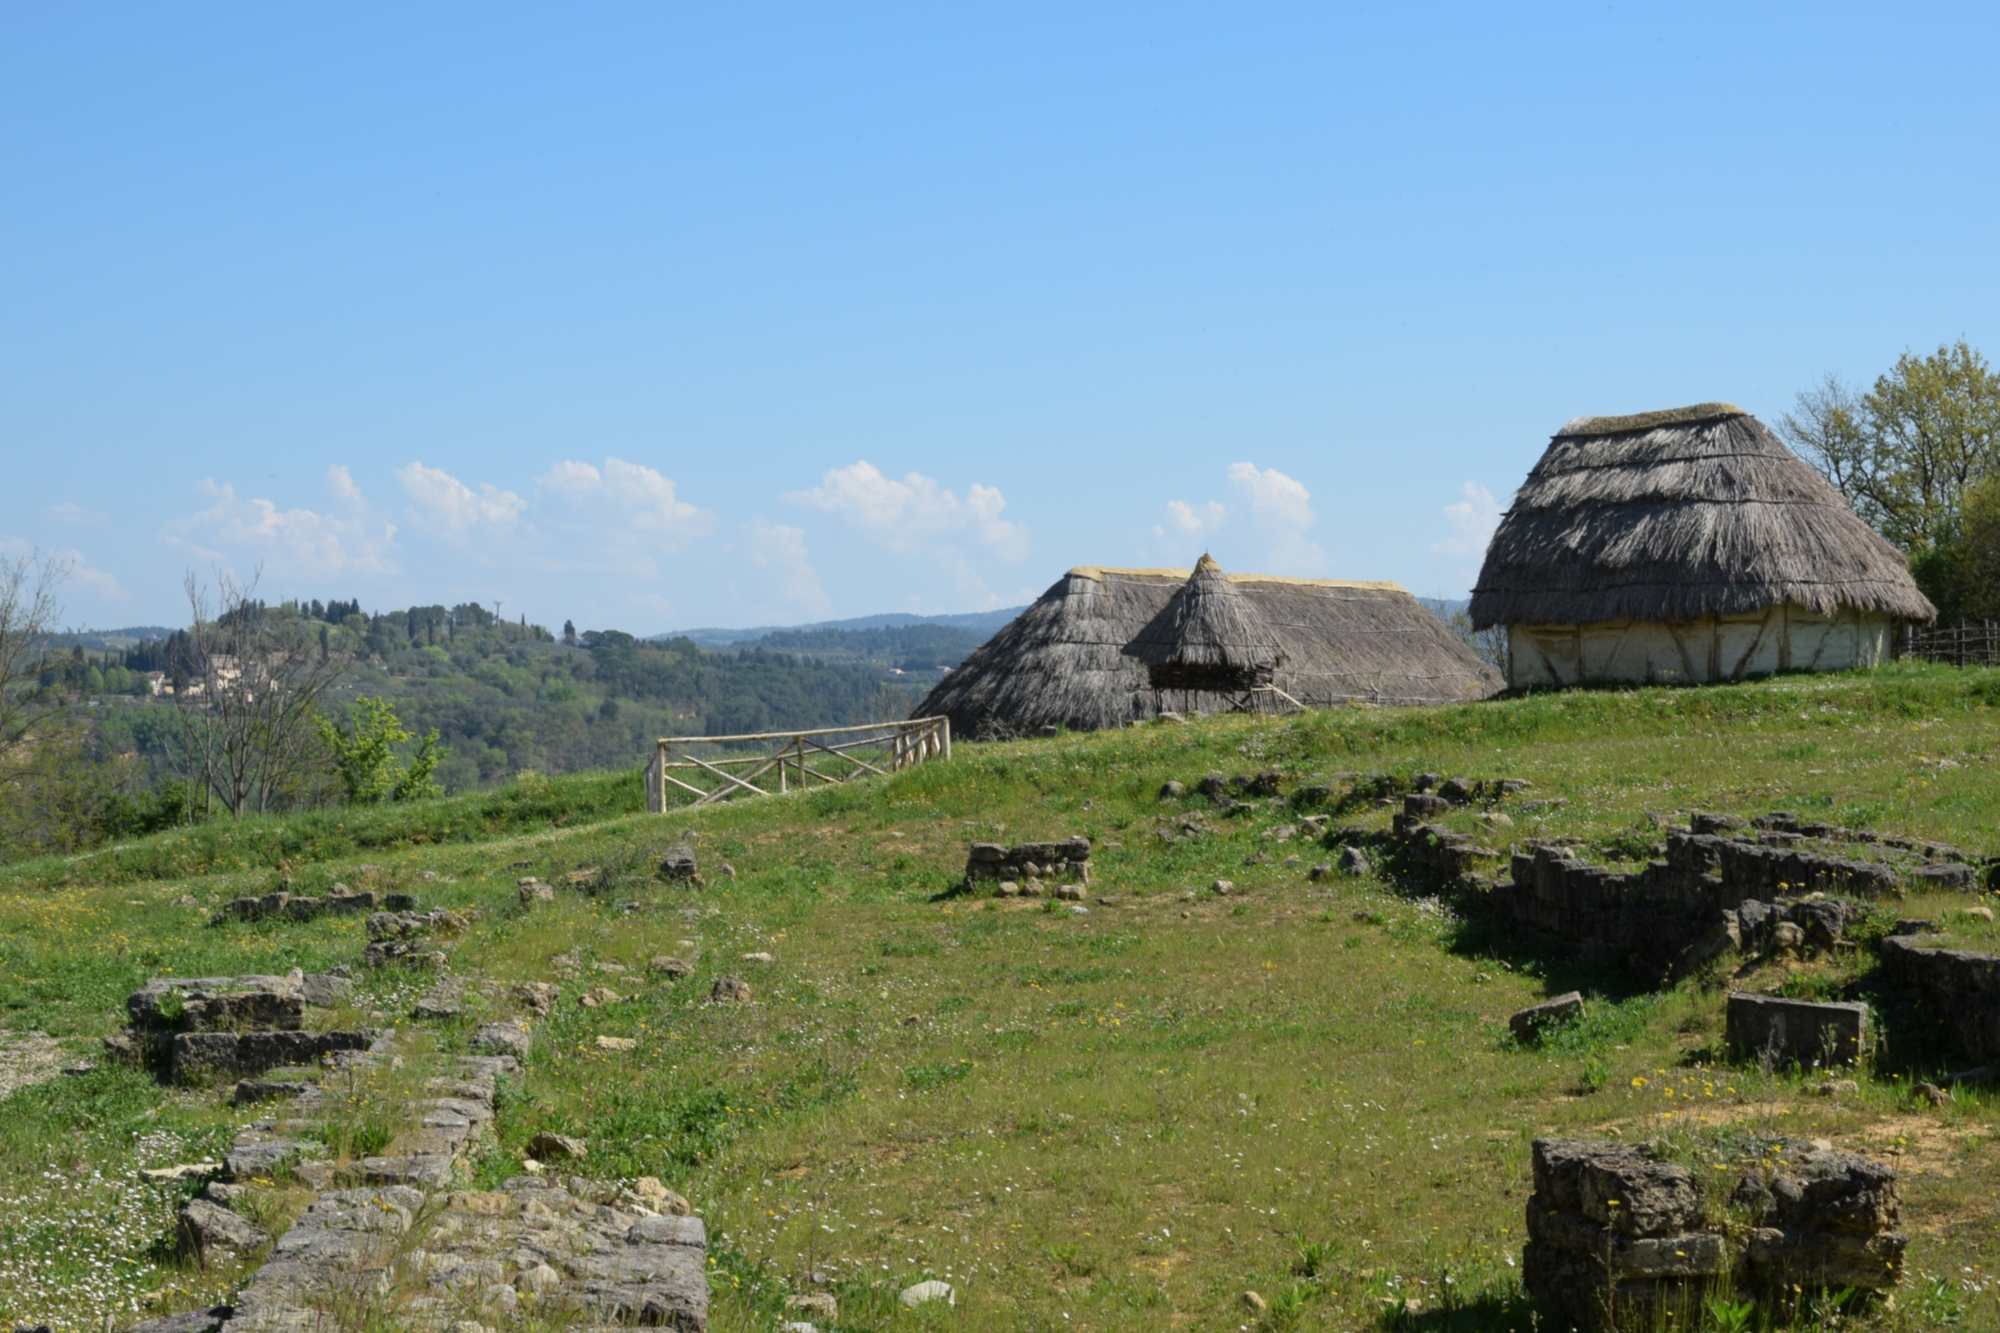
{"x":1962,"y":644}
{"x":716,"y":768}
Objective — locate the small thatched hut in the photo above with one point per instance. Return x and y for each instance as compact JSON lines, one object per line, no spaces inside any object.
{"x":1686,"y":546}
{"x":1208,"y":638}
{"x":1063,"y":661}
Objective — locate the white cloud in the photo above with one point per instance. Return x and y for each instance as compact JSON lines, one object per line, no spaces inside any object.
{"x":1188,"y":521}
{"x":1266,"y":522}
{"x":627,"y":512}
{"x":1473,"y":520}
{"x":914,"y":513}
{"x":71,"y":512}
{"x":443,"y":504}
{"x":350,"y":538}
{"x":73,"y":562}
{"x":778,"y":552}
{"x":1281,"y":508}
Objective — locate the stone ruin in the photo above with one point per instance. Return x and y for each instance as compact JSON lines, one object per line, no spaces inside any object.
{"x":1029,"y":869}
{"x":410,"y":937}
{"x":1617,"y":1238}
{"x":1776,"y":1032}
{"x":189,"y":1028}
{"x":1724,"y":883}
{"x":387,"y":1234}
{"x":1959,"y":991}
{"x":285,"y":905}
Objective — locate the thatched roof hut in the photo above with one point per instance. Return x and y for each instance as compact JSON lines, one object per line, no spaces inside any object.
{"x":1062,"y":662}
{"x":1700,"y":523}
{"x":1209,"y":636}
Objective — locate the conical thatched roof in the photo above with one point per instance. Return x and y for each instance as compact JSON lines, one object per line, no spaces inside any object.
{"x":1208,"y":636}
{"x":1062,"y":662}
{"x":1678,"y":515}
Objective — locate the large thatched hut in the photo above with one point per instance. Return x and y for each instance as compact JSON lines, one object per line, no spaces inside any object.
{"x":1063,"y":661}
{"x":1688,"y":545}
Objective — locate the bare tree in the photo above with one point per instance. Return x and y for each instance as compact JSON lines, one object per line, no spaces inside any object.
{"x":28,"y":615}
{"x":1830,"y":430}
{"x":247,"y":685}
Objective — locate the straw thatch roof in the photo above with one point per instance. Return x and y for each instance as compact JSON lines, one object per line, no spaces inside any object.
{"x":1678,"y":515}
{"x":1208,"y":636}
{"x":1062,"y":662}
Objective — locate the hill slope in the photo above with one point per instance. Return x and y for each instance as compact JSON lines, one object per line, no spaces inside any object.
{"x":1117,"y":1119}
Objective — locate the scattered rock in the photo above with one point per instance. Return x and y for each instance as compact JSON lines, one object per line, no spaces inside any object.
{"x":1172,"y":791}
{"x":440,"y":1002}
{"x":208,"y":1230}
{"x":1528,"y":1025}
{"x":534,"y":891}
{"x":730,"y":990}
{"x":932,"y":1290}
{"x":1007,"y":888}
{"x":819,"y":1303}
{"x":1213,"y":785}
{"x":537,"y":1280}
{"x":651,"y":1192}
{"x":1353,"y":861}
{"x":616,"y":1044}
{"x":549,"y":1147}
{"x":674,"y":968}
{"x":598,"y":996}
{"x":503,"y":1039}
{"x":537,"y":997}
{"x":251,"y":1090}
{"x":1224,"y":887}
{"x":1459,"y":791}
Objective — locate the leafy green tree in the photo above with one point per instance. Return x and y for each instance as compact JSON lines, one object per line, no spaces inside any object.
{"x":364,"y":755}
{"x":1905,"y":452}
{"x":1963,"y":575}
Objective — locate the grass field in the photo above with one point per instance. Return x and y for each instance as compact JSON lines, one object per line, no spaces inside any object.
{"x":1125,"y":1118}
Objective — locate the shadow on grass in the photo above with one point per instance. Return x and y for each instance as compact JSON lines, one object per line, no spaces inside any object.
{"x":1509,"y":1313}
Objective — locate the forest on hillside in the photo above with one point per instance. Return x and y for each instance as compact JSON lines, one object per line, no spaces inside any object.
{"x":502,"y":697}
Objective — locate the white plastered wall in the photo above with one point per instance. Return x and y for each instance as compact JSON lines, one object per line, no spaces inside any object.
{"x":1714,"y":648}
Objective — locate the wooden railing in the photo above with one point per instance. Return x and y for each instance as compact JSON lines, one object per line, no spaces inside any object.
{"x":1962,"y":644}
{"x":717,"y":768}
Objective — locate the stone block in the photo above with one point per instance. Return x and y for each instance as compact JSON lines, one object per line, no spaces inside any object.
{"x":1615,"y":1186}
{"x":1772,"y":1029}
{"x":1527,"y":1025}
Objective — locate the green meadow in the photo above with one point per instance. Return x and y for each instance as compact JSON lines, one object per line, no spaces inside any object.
{"x":1126,"y":1117}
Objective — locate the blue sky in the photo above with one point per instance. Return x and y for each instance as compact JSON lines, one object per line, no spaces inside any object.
{"x":662,"y":315}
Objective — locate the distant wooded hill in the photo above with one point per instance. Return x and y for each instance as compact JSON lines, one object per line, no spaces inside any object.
{"x":507,"y":697}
